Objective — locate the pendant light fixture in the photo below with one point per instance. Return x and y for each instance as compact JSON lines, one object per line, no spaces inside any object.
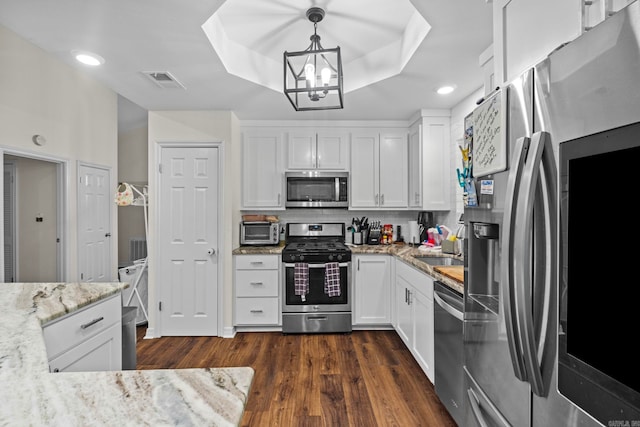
{"x":313,"y":77}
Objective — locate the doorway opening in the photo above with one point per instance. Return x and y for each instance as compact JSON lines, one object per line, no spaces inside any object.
{"x":34,"y":200}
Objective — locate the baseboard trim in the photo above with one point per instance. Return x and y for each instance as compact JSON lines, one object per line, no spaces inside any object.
{"x":229,"y":332}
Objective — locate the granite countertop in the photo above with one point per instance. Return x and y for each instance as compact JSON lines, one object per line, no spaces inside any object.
{"x":406,"y":253}
{"x":259,"y":250}
{"x":30,"y":395}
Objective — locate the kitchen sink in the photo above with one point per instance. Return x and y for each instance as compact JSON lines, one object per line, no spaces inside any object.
{"x":436,"y":260}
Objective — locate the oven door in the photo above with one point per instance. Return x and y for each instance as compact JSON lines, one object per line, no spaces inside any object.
{"x":316,"y":300}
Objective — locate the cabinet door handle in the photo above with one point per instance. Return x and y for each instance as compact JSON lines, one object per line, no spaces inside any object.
{"x":377,"y":199}
{"x":93,"y":322}
{"x":256,"y":262}
{"x":382,"y":199}
{"x":406,"y":296}
{"x":256,"y":283}
{"x":257,"y":311}
{"x":410,"y":293}
{"x":358,"y":264}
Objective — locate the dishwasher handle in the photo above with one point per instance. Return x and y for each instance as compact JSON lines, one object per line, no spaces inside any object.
{"x":440,"y":300}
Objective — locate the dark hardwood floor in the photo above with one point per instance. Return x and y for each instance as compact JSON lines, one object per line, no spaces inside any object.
{"x":366,"y":378}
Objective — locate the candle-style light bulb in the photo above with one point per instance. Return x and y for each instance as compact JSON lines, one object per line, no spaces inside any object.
{"x":310,"y":74}
{"x":326,"y":76}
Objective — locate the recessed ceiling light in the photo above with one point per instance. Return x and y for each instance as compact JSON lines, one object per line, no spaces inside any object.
{"x":444,"y":90}
{"x":88,"y":58}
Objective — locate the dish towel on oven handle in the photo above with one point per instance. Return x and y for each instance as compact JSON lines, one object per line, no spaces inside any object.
{"x":332,"y":279}
{"x":301,"y":279}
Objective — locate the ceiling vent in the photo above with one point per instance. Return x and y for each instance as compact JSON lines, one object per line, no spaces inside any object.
{"x":164,"y":79}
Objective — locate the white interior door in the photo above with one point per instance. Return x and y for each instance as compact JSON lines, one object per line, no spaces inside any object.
{"x":94,"y":224}
{"x":188,"y":236}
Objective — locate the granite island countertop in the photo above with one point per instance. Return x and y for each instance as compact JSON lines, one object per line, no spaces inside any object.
{"x":30,"y":395}
{"x":406,"y":253}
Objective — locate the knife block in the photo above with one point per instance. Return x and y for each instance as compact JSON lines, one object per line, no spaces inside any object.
{"x":374,"y":237}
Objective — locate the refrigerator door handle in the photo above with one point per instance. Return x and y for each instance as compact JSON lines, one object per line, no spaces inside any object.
{"x":540,"y":158}
{"x":483,"y":409}
{"x":475,"y":408}
{"x":507,"y":281}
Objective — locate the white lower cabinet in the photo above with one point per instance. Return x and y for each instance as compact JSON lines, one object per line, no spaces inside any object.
{"x":372,"y":289}
{"x":414,"y":314}
{"x":89,"y":339}
{"x":256,"y":290}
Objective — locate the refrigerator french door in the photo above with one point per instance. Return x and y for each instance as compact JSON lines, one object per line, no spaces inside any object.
{"x":514,"y":269}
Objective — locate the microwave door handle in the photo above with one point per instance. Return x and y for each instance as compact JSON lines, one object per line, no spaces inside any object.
{"x":522,"y":259}
{"x":507,"y":281}
{"x":337,"y":189}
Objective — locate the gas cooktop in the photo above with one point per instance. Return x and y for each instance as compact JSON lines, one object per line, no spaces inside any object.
{"x":317,"y":243}
{"x":317,"y":247}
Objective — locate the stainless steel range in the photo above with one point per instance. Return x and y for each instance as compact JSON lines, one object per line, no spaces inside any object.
{"x":317,"y":279}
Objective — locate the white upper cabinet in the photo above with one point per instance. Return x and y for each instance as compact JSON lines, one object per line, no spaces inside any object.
{"x":310,"y":149}
{"x":525,"y":32}
{"x":379,"y":175}
{"x":262,"y":170}
{"x":533,"y":29}
{"x":430,"y":178}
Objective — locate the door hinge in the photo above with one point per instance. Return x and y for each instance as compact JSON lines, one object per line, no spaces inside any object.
{"x":160,"y":306}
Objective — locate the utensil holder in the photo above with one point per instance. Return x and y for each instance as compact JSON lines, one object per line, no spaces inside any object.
{"x":357,"y":238}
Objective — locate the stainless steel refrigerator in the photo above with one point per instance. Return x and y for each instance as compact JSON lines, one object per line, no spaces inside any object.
{"x":515,"y":276}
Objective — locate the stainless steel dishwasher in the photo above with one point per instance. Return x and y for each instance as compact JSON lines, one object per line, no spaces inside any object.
{"x":448,"y":316}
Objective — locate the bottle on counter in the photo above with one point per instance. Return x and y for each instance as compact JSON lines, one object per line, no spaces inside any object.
{"x":387,"y":234}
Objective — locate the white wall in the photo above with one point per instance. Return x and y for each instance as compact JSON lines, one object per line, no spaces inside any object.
{"x":76,"y":114}
{"x":197,"y":126}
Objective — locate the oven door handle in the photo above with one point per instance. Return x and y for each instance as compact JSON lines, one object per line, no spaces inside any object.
{"x":292,"y":265}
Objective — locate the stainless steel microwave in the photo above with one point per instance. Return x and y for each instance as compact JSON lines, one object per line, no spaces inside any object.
{"x":259,"y":233}
{"x":317,"y":189}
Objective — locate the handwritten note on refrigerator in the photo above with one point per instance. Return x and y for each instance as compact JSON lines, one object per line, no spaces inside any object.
{"x":489,"y":152}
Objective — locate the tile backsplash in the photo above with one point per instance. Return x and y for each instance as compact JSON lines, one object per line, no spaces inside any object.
{"x":401,"y":218}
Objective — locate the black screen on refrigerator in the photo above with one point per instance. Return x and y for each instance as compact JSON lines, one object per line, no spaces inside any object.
{"x":598,"y":291}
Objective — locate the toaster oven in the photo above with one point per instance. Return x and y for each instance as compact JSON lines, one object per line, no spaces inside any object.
{"x":259,"y":233}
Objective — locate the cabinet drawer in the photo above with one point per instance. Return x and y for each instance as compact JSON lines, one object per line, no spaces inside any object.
{"x":257,"y":283}
{"x":257,"y":311}
{"x":101,"y":352}
{"x":257,"y":262}
{"x":70,"y":330}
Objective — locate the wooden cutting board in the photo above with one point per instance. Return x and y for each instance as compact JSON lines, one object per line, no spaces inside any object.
{"x":455,"y":272}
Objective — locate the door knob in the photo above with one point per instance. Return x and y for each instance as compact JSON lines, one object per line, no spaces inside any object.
{"x":211,"y":251}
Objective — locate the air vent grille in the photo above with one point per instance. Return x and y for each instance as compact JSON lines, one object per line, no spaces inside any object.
{"x":164,"y":79}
